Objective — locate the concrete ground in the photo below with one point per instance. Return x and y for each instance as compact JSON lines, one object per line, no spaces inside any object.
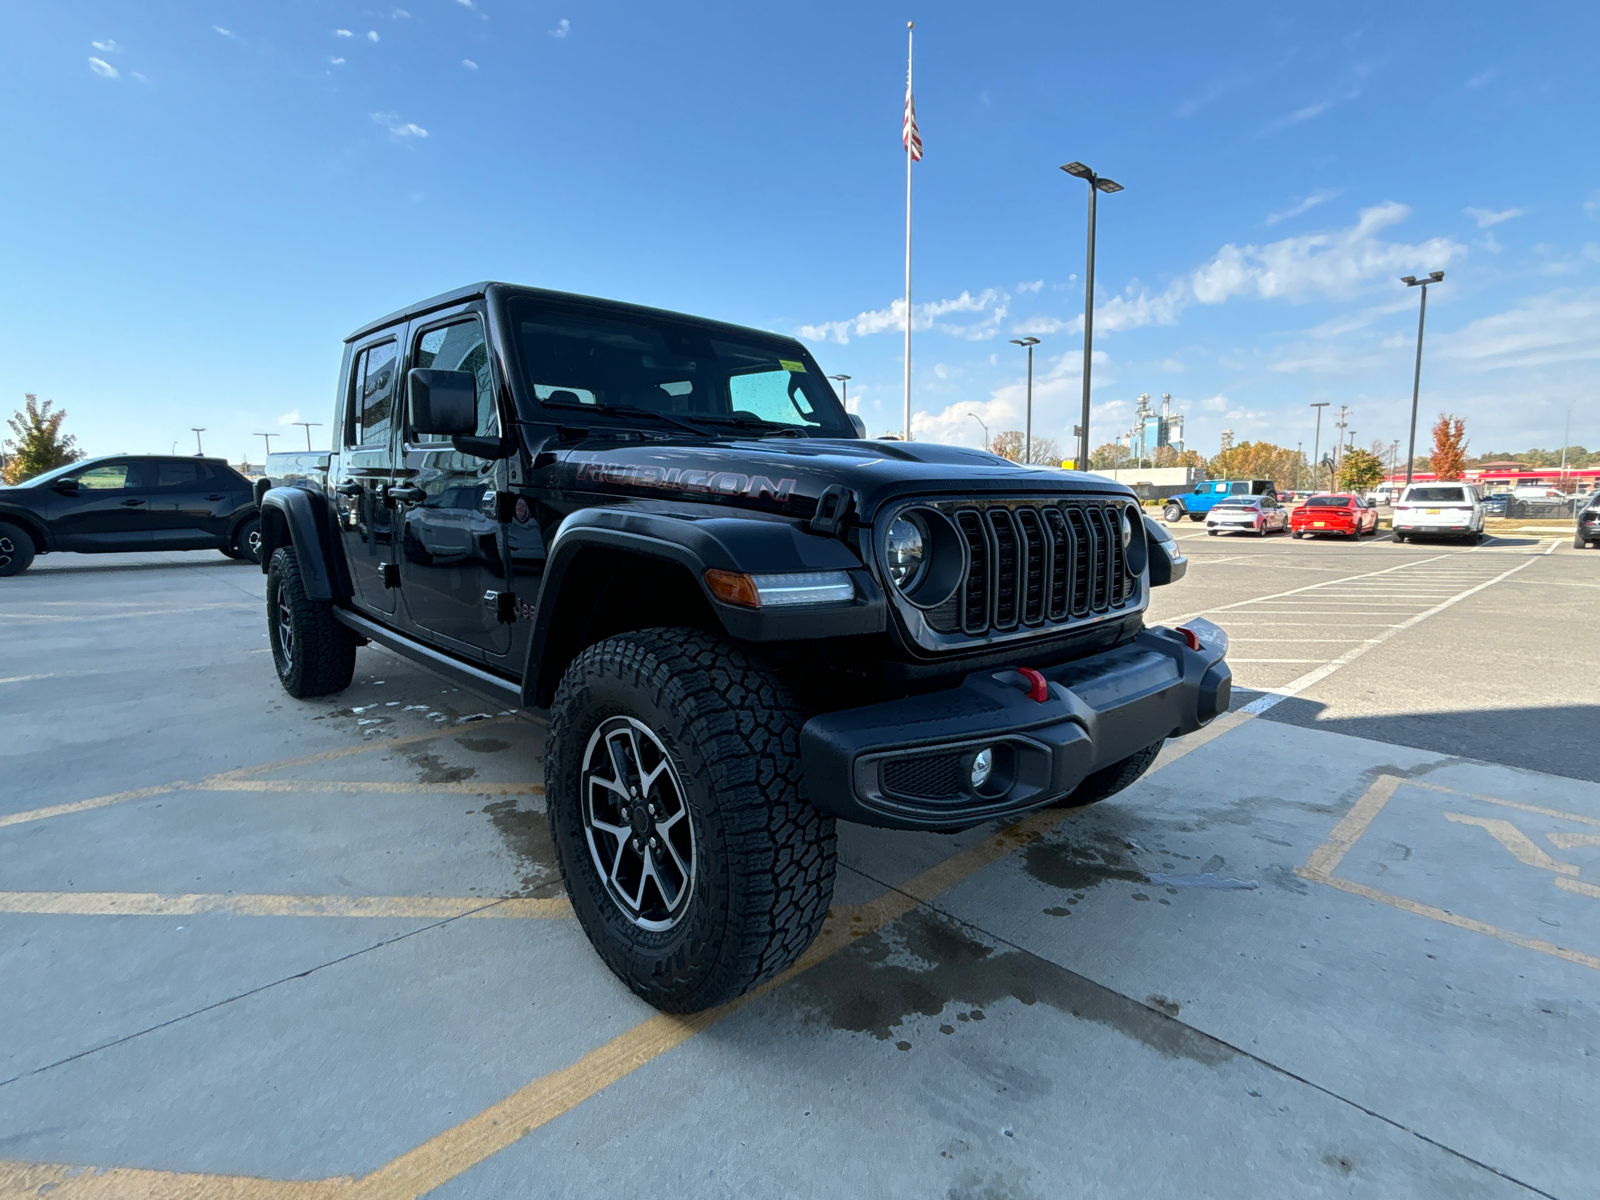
{"x":1343,"y":942}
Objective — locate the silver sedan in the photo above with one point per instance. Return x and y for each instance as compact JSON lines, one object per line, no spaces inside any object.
{"x":1259,"y":515}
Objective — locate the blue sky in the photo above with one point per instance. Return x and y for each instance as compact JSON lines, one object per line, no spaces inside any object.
{"x":203,"y":199}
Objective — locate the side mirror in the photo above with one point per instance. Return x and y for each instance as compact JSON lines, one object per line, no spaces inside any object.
{"x":444,"y":403}
{"x":67,"y":487}
{"x":858,"y":425}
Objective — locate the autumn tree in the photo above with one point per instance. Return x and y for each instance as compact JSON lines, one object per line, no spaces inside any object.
{"x":1107,"y":457}
{"x":1359,"y":470}
{"x":1042,"y":452}
{"x":1449,"y":457}
{"x":39,"y":445}
{"x":1257,"y":460}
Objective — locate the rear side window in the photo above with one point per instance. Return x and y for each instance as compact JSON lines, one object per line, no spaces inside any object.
{"x":372,"y":391}
{"x":181,"y":474}
{"x":460,"y":347}
{"x":1436,"y":495}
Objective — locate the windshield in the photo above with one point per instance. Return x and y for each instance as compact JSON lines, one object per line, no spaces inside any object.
{"x":71,"y":468}
{"x":690,"y":375}
{"x":1328,"y":502}
{"x":1436,"y":495}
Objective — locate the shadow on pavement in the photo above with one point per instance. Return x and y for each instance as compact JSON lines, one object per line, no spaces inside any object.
{"x":1557,"y":740}
{"x":41,"y":567}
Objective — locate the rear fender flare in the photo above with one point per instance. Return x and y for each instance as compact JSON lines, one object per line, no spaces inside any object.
{"x":30,"y":524}
{"x":298,"y":518}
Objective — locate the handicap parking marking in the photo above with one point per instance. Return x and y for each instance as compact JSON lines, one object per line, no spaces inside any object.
{"x":1428,"y":861}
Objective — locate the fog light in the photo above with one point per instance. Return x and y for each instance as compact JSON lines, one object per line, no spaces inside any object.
{"x":982,"y":768}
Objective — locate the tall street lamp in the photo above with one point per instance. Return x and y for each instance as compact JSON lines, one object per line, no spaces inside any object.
{"x":987,"y":445}
{"x":1316,"y":445}
{"x":1416,"y":379}
{"x":1028,"y":343}
{"x":267,"y":437}
{"x":309,"y":426}
{"x":1096,"y":184}
{"x":198,"y":448}
{"x":844,"y":382}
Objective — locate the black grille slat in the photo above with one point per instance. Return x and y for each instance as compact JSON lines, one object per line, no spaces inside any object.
{"x":1035,"y":563}
{"x":975,"y":589}
{"x":1061,"y":554}
{"x":1007,"y":567}
{"x":1099,"y":536}
{"x":1081,"y":557}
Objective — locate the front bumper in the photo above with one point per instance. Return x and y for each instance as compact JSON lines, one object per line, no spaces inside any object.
{"x":906,"y":764}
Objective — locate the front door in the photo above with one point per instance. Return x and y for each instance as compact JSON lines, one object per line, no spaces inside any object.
{"x":450,"y":551}
{"x":366,"y":469}
{"x":111,"y":510}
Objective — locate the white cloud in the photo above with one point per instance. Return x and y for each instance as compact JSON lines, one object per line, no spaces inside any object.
{"x":1212,"y":94}
{"x":991,"y":301}
{"x":466,"y":3}
{"x":108,"y":46}
{"x":399,"y":130}
{"x":1320,"y":196}
{"x":1486,"y":217}
{"x":1321,"y":265}
{"x":954,"y":425}
{"x":1591,"y":206}
{"x":290,"y":417}
{"x":563,"y":27}
{"x":372,"y":35}
{"x":342,"y":33}
{"x":336,"y":61}
{"x":469,"y":64}
{"x":1559,"y":327}
{"x":399,"y":14}
{"x":1030,"y":287}
{"x":1483,"y":77}
{"x":138,"y":77}
{"x":103,"y":69}
{"x":227,"y":33}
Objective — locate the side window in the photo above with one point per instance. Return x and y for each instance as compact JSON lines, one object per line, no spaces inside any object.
{"x":181,"y":475}
{"x":372,"y":391}
{"x":460,"y":347}
{"x":108,"y":477}
{"x":770,"y":395}
{"x":1241,"y":489}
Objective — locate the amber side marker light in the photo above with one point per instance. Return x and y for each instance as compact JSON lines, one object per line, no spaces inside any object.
{"x":780,"y":591}
{"x":733,"y":587}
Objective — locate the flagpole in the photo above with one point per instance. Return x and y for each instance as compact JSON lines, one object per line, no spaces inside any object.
{"x":907,"y":430}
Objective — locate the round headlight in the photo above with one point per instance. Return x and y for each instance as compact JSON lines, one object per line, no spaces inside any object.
{"x":1129,"y":516}
{"x":905,"y":547}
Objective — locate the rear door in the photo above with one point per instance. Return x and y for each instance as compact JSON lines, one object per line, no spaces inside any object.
{"x":450,"y":541}
{"x":110,"y":512}
{"x":366,"y":468}
{"x":191,"y":505}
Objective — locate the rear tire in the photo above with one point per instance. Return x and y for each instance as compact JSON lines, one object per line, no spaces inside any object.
{"x":1108,"y":781}
{"x":16,"y":549}
{"x":1297,"y":534}
{"x":707,"y":741}
{"x":1197,"y":516}
{"x":313,"y":653}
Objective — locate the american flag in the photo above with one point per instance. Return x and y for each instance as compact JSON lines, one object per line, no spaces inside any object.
{"x":908,"y":133}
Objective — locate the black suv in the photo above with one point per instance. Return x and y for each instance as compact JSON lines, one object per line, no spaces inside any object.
{"x":743,"y":620}
{"x":126,"y":502}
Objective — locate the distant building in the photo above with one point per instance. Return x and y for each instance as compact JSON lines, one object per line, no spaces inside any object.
{"x":1227,"y":440}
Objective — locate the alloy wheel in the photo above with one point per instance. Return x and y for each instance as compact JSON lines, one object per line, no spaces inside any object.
{"x":285,"y":630}
{"x":8,"y":550}
{"x":636,"y":820}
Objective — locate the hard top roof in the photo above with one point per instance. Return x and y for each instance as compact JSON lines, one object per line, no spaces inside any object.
{"x":474,"y":290}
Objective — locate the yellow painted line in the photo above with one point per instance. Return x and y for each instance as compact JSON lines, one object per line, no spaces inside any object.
{"x":1513,"y":839}
{"x":35,"y":1180}
{"x":1569,"y":841}
{"x":1577,"y":885}
{"x":461,"y":1147}
{"x":468,"y":787}
{"x":154,"y":904}
{"x":1327,"y":856}
{"x":222,"y":781}
{"x":1516,"y":804}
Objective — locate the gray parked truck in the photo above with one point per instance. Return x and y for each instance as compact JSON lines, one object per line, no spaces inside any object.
{"x":744,"y":621}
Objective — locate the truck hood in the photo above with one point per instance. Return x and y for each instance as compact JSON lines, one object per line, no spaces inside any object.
{"x":789,"y":474}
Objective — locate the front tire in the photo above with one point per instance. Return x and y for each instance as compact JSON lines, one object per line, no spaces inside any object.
{"x":16,"y":549}
{"x":313,"y":653}
{"x":1172,"y":514}
{"x":247,"y":542}
{"x":1108,"y":781}
{"x":721,"y":873}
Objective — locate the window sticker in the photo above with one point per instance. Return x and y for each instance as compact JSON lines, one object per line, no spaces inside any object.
{"x":788,"y":364}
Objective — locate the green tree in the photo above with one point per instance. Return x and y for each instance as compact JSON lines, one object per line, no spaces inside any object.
{"x":39,"y":445}
{"x":1107,"y":457}
{"x":1360,"y":470}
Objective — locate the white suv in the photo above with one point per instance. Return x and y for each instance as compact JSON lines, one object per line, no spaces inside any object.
{"x":1439,"y":510}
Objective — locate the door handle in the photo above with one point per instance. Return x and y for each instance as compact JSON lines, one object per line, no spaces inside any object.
{"x":217,"y":496}
{"x":131,"y":503}
{"x":407,"y":493}
{"x":348,"y":488}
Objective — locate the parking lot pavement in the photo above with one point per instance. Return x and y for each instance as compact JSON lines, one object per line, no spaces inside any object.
{"x":264,"y":948}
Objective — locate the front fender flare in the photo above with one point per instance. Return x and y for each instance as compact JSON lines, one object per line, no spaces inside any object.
{"x":292,"y":516}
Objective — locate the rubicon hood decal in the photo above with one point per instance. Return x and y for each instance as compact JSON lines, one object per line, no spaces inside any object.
{"x":688,"y":479}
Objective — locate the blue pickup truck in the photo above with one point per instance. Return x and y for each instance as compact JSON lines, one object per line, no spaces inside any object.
{"x":1196,"y":504}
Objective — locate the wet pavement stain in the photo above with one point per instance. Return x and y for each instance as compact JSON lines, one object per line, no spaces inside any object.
{"x":434,"y":770}
{"x":527,"y":835}
{"x":483,"y":745}
{"x":1073,"y":867}
{"x":863,"y":991}
{"x":1170,"y":1007}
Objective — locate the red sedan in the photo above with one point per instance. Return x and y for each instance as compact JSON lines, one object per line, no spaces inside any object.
{"x":1347,"y":516}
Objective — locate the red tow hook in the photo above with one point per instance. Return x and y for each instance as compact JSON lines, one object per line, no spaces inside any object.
{"x":1191,"y":637}
{"x":1038,"y":689}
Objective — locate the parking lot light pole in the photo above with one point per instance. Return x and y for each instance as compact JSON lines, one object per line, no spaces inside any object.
{"x":1316,"y":444}
{"x":198,"y":448}
{"x":986,"y":443}
{"x":309,"y":426}
{"x":267,"y":437}
{"x":1028,"y":343}
{"x":844,"y":383}
{"x":1096,"y":184}
{"x":1416,"y":378}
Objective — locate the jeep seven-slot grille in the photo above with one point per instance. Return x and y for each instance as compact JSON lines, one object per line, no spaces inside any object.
{"x":1035,"y":564}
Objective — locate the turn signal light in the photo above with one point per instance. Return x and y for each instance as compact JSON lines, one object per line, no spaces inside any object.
{"x":733,"y":587}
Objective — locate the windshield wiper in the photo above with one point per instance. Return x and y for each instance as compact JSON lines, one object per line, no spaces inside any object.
{"x":777,"y":428}
{"x":628,"y":410}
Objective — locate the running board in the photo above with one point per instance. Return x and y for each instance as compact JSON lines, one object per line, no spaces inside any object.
{"x":503,"y":690}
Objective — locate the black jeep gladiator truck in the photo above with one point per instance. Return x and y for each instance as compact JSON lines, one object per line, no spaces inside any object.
{"x":743,"y":620}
